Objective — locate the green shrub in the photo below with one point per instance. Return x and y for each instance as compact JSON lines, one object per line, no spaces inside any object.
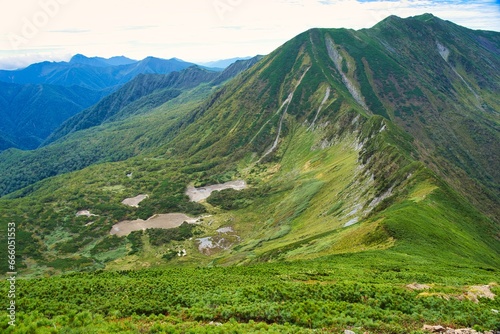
{"x":158,"y":236}
{"x":230,"y":199}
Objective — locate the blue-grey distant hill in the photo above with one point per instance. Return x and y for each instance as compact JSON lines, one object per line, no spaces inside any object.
{"x":30,"y":112}
{"x":102,"y":62}
{"x":36,"y":100}
{"x":92,"y":73}
{"x":223,"y":63}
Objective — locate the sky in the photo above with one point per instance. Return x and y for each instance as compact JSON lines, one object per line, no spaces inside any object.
{"x":197,"y":30}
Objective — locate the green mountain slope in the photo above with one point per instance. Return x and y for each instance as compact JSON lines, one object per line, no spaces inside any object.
{"x":30,"y":113}
{"x":328,"y":169}
{"x":319,"y":117}
{"x":129,"y":135}
{"x":397,"y":70}
{"x":141,"y":87}
{"x":346,"y":203}
{"x":449,"y":102}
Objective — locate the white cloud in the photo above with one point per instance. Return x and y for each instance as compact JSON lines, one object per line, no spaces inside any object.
{"x":21,"y":59}
{"x":197,"y":30}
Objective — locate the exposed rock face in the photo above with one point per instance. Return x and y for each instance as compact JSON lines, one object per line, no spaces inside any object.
{"x":337,"y":59}
{"x":480,"y":291}
{"x":86,"y":213}
{"x":447,"y":330}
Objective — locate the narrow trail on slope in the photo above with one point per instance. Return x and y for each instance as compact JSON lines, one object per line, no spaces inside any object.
{"x":287,"y":102}
{"x":327,"y":95}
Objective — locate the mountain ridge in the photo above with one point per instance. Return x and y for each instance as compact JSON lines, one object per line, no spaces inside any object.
{"x":141,"y":85}
{"x":337,"y":136}
{"x":100,"y":61}
{"x":139,"y":97}
{"x":102,"y":76}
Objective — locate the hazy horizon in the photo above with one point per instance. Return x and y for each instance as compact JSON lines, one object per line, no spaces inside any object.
{"x":198,"y":31}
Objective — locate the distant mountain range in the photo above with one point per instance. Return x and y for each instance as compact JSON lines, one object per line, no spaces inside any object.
{"x":112,"y":107}
{"x":91,"y":73}
{"x":65,"y":150}
{"x":101,"y":62}
{"x":223,"y":63}
{"x":34,"y":101}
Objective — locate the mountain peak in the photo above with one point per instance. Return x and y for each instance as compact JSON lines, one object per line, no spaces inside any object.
{"x":425,"y":17}
{"x":99,"y":61}
{"x":397,"y":21}
{"x":391,"y":19}
{"x":78,"y":57}
{"x":84,"y":60}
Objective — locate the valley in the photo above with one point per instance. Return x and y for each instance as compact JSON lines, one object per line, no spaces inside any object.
{"x":346,"y":181}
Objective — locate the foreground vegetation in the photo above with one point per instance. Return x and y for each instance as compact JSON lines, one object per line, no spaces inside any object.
{"x":362,"y":292}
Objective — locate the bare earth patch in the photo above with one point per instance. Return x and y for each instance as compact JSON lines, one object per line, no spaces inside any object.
{"x":480,"y":291}
{"x":85,"y":213}
{"x":416,"y":286}
{"x":447,"y":330}
{"x":227,"y":229}
{"x":134,"y":201}
{"x":223,"y":241}
{"x":169,"y":220}
{"x":199,"y":194}
{"x":472,"y":293}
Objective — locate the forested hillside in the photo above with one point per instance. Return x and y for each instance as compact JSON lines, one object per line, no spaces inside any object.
{"x":31,"y":112}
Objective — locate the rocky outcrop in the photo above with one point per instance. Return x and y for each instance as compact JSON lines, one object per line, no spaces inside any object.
{"x":351,"y":86}
{"x":447,"y":330}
